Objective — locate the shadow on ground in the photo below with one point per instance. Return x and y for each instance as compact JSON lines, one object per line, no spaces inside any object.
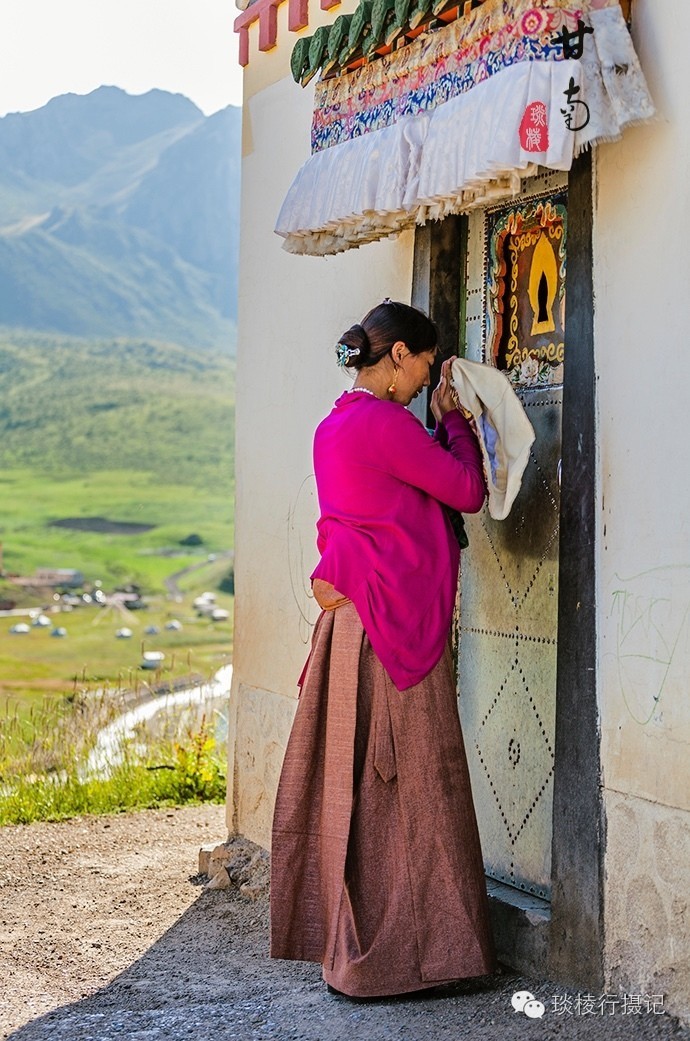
{"x":209,"y":976}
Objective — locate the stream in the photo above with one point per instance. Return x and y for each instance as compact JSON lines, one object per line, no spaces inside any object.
{"x":212,"y":696}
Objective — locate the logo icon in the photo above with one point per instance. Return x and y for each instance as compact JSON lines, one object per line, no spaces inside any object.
{"x":524,"y":1001}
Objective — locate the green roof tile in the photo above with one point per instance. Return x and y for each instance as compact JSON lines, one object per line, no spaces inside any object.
{"x":340,"y":31}
{"x":382,"y":18}
{"x":299,"y":59}
{"x":419,"y":11}
{"x":318,"y":48}
{"x":373,"y":24}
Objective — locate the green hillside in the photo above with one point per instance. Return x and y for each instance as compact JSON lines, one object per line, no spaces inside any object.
{"x":107,"y":277}
{"x":131,"y":431}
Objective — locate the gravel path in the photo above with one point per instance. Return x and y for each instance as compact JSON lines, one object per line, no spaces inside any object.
{"x":106,"y":934}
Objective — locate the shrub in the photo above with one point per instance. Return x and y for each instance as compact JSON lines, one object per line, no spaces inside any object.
{"x":192,"y":540}
{"x":49,"y":778}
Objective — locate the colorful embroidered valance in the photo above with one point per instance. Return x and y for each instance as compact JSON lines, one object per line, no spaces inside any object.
{"x":460,"y":116}
{"x":424,"y":75}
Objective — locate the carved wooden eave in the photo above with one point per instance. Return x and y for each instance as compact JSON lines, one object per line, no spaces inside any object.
{"x":265,"y":13}
{"x":399,"y":21}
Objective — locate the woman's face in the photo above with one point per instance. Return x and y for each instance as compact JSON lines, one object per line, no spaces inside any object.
{"x":414,"y":373}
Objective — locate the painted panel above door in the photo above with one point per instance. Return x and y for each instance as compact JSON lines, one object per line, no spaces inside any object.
{"x":525,"y":285}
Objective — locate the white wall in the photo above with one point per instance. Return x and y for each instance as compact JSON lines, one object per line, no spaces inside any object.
{"x":292,"y":310}
{"x":642,"y":294}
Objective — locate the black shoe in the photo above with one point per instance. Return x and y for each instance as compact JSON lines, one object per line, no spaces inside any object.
{"x":349,"y":997}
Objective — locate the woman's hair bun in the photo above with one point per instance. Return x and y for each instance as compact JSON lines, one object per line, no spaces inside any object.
{"x":353,"y":348}
{"x":367,"y":342}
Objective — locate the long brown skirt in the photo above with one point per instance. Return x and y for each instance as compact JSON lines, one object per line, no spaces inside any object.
{"x":376,"y":864}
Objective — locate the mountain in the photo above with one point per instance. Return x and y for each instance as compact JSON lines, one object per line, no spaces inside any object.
{"x":203,"y":175}
{"x":119,"y":216}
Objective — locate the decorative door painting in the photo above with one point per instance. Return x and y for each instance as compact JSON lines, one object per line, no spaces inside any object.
{"x":515,"y":309}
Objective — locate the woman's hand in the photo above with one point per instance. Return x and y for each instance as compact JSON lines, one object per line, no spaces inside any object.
{"x":444,"y":398}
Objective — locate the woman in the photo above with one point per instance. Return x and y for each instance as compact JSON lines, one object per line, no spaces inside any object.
{"x":376,"y":864}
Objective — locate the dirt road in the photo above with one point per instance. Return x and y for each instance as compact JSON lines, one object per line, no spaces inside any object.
{"x":106,"y":934}
{"x":174,"y":591}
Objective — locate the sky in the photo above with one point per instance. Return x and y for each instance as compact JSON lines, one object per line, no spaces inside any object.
{"x":51,"y":47}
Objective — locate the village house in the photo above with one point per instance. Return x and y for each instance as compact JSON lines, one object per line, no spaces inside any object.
{"x":59,"y":576}
{"x":47,"y":578}
{"x":518,"y":168}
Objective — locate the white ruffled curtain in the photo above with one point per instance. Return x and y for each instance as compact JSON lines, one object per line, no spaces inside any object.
{"x":469,"y":149}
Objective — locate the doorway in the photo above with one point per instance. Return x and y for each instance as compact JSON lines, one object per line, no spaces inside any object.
{"x":515,"y":281}
{"x":563,"y":935}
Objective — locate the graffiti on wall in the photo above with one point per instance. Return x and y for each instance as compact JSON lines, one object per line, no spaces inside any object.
{"x":651,"y":613}
{"x":300,"y":541}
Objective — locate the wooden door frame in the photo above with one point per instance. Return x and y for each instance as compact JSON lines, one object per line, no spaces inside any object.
{"x":564,"y":940}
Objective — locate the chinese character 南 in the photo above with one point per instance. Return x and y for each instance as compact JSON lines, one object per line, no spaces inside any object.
{"x":576,"y":110}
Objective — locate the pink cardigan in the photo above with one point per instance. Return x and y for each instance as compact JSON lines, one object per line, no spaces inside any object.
{"x":384,"y":536}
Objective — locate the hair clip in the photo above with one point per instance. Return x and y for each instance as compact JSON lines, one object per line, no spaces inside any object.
{"x":386,"y":300}
{"x":344,"y":353}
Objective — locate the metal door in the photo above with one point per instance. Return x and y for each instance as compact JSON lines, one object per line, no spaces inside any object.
{"x":515,"y":307}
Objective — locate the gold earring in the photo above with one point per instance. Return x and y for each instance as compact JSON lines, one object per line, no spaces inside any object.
{"x":391,"y":389}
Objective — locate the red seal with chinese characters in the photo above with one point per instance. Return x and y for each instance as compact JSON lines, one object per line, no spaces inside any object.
{"x":534,"y":128}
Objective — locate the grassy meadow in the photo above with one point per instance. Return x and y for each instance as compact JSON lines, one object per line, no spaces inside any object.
{"x":130,"y":431}
{"x":71,"y":407}
{"x":31,"y":500}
